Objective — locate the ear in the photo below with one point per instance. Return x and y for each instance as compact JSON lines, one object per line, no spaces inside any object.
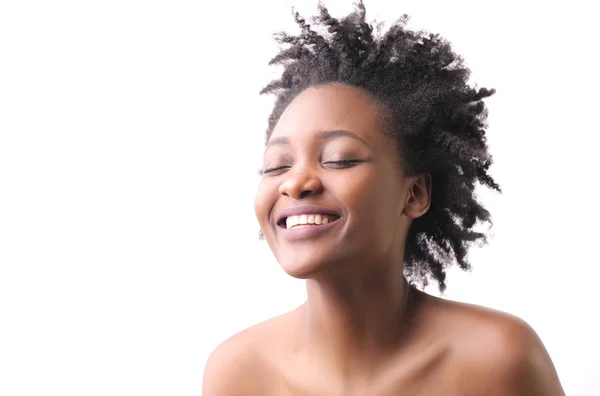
{"x":419,"y":196}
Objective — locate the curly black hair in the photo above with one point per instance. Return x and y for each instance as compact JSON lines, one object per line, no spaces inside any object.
{"x":435,"y":116}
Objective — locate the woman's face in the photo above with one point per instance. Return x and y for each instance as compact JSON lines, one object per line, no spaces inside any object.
{"x":332,"y":193}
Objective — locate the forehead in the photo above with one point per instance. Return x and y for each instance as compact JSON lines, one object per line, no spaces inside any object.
{"x":331,"y":107}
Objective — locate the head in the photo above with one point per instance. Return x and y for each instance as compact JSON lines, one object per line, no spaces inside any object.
{"x":382,"y":139}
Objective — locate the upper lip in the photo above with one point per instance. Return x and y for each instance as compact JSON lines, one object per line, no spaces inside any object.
{"x":305,"y":209}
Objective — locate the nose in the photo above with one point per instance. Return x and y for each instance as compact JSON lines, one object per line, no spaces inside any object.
{"x":301,"y":185}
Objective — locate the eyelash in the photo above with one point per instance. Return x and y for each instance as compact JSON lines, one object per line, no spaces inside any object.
{"x":271,"y":170}
{"x":346,"y":163}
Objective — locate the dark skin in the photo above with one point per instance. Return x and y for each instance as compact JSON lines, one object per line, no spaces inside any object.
{"x":363,"y":330}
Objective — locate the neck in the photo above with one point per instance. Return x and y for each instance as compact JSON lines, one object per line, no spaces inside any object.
{"x":352,"y":322}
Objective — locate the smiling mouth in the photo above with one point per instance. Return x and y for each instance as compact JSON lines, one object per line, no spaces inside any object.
{"x":306,"y":220}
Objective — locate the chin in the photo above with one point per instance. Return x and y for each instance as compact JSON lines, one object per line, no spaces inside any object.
{"x":301,"y":270}
{"x":303,"y":267}
{"x":307,"y":266}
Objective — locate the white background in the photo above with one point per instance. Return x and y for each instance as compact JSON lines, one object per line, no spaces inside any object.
{"x":130,"y":136}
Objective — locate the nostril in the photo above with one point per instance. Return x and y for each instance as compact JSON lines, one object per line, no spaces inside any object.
{"x":305,"y":193}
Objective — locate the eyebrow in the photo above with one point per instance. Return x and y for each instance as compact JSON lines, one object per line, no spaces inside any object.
{"x":322,"y":135}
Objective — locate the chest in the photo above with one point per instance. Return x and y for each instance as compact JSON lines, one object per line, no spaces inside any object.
{"x":424,"y":375}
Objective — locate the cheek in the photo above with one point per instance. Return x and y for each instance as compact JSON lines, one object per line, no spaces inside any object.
{"x":374,"y":201}
{"x":266,"y":195}
{"x":361,"y":192}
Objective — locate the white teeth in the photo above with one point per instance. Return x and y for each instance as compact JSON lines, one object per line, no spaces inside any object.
{"x":289,"y":222}
{"x":305,"y":220}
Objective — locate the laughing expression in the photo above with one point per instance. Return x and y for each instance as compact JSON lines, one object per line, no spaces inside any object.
{"x":332,"y":193}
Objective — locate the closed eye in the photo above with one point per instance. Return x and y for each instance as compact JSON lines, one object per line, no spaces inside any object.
{"x":275,"y":171}
{"x":341,"y":164}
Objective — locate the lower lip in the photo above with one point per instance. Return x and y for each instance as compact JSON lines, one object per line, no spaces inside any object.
{"x":311,"y":231}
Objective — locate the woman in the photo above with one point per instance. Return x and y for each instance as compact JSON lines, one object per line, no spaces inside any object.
{"x":373,"y":151}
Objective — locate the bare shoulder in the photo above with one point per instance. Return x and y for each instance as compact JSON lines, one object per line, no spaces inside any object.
{"x":496,"y":353}
{"x":241,"y":364}
{"x":230,"y":367}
